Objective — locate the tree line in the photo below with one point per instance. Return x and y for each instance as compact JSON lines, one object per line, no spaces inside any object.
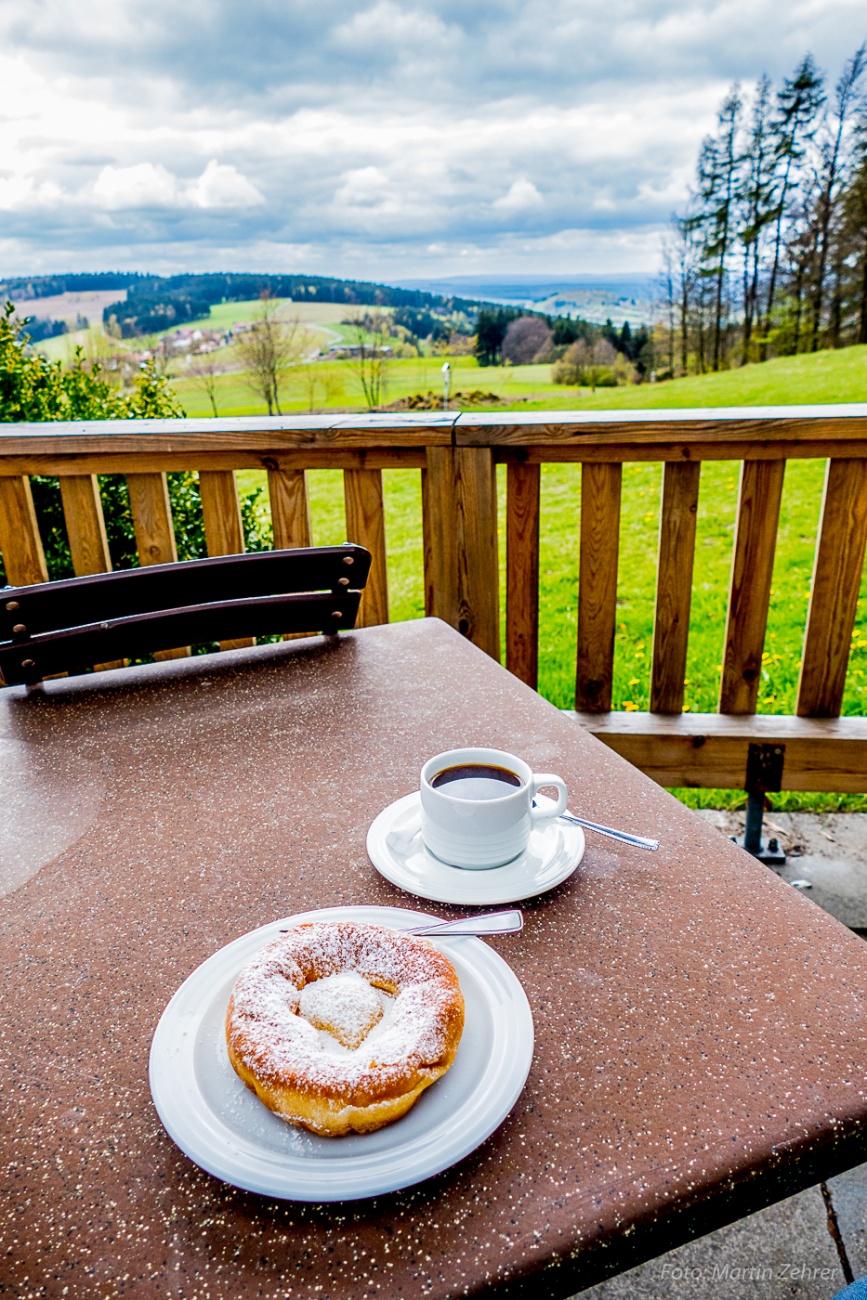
{"x":514,"y":336}
{"x":770,"y":256}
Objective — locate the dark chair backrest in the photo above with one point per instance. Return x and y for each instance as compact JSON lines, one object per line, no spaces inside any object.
{"x":54,"y":627}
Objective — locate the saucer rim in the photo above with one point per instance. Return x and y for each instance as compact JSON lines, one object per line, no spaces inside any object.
{"x":486,"y":894}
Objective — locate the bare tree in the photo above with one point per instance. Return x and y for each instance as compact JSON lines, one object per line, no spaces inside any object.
{"x":267,"y":349}
{"x":203,"y":371}
{"x":318,"y":384}
{"x":370,"y":354}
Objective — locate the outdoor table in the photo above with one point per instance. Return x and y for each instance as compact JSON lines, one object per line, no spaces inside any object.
{"x":700,"y":1025}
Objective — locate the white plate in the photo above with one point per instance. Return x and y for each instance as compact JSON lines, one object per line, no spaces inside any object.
{"x":226,"y":1130}
{"x":397,"y":851}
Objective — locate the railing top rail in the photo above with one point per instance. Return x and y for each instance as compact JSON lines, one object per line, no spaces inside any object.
{"x":782,"y":430}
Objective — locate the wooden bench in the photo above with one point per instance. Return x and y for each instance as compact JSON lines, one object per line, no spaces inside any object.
{"x":457,"y":455}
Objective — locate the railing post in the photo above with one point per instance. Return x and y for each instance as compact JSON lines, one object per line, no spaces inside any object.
{"x":224,"y":534}
{"x":677,"y":522}
{"x":597,"y":585}
{"x":365,"y":525}
{"x":85,"y":528}
{"x":759,"y":497}
{"x":522,"y":571}
{"x":834,"y":593}
{"x":459,"y":493}
{"x":154,"y":531}
{"x":20,"y":543}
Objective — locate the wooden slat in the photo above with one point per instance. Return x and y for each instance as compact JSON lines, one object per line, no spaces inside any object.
{"x":459,"y":499}
{"x":365,"y":525}
{"x":673,"y":586}
{"x":85,"y":529}
{"x":834,"y":594}
{"x":522,"y":571}
{"x":20,"y":543}
{"x":290,"y":513}
{"x":597,"y":585}
{"x":224,"y":535}
{"x":154,"y":533}
{"x":85,"y":525}
{"x":709,"y":750}
{"x":440,"y":535}
{"x":290,"y":508}
{"x":759,"y":497}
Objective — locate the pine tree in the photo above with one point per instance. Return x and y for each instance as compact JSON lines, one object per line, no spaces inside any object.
{"x":795,"y":124}
{"x":835,"y":164}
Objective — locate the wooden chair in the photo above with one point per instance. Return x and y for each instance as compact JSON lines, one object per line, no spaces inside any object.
{"x":54,"y":627}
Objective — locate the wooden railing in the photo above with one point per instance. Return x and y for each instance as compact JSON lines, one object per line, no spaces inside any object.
{"x":457,"y":455}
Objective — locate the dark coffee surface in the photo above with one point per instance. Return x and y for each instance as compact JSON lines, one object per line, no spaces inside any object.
{"x":476,"y":781}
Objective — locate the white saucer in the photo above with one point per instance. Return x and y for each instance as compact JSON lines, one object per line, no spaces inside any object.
{"x":226,"y":1130}
{"x":396,"y":850}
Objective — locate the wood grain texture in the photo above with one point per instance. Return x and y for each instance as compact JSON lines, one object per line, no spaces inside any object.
{"x":154,"y":531}
{"x":477,"y":551}
{"x":85,"y":525}
{"x":673,"y":586}
{"x":522,"y":571}
{"x":440,"y":535}
{"x":224,"y":535}
{"x":290,"y":512}
{"x":709,"y":750}
{"x":365,"y":525}
{"x":403,"y":430}
{"x":597,"y":585}
{"x":834,"y":594}
{"x":459,"y":506}
{"x":729,"y":424}
{"x":85,"y":528}
{"x":111,"y":460}
{"x":20,"y":543}
{"x":290,"y":508}
{"x":759,"y":497}
{"x":622,"y":452}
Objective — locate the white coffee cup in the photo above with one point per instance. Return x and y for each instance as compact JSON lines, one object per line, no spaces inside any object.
{"x":466,"y":822}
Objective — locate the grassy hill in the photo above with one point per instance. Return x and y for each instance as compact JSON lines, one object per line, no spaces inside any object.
{"x":821,"y":377}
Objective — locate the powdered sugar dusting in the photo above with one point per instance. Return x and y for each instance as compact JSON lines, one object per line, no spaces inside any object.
{"x":344,"y":1005}
{"x":267,"y":1028}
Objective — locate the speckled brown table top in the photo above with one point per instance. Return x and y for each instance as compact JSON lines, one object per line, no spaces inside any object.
{"x":700,"y":1026}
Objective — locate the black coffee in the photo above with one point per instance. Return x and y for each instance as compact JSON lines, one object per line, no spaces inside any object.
{"x":476,"y":781}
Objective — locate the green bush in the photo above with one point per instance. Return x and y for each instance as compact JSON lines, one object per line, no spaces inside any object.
{"x":34,"y":389}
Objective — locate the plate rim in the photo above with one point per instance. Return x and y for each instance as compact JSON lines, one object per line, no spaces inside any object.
{"x":515,"y":1027}
{"x":479,"y":897}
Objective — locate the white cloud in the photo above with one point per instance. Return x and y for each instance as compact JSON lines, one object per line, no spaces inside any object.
{"x":144,"y":185}
{"x":522,"y":195}
{"x":369,"y":134}
{"x":222,"y":186}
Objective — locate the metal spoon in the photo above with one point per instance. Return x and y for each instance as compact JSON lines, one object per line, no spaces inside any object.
{"x":511,"y":922}
{"x":637,"y":841}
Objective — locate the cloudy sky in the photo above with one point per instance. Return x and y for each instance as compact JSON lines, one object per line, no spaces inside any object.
{"x":381,"y":139}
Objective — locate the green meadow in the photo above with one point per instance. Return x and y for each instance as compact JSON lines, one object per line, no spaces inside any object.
{"x":825,"y":377}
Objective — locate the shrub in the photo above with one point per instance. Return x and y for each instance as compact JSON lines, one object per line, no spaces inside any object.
{"x":527,"y":339}
{"x":32,"y":388}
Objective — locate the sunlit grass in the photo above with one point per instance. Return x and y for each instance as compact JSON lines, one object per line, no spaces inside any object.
{"x":825,"y":377}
